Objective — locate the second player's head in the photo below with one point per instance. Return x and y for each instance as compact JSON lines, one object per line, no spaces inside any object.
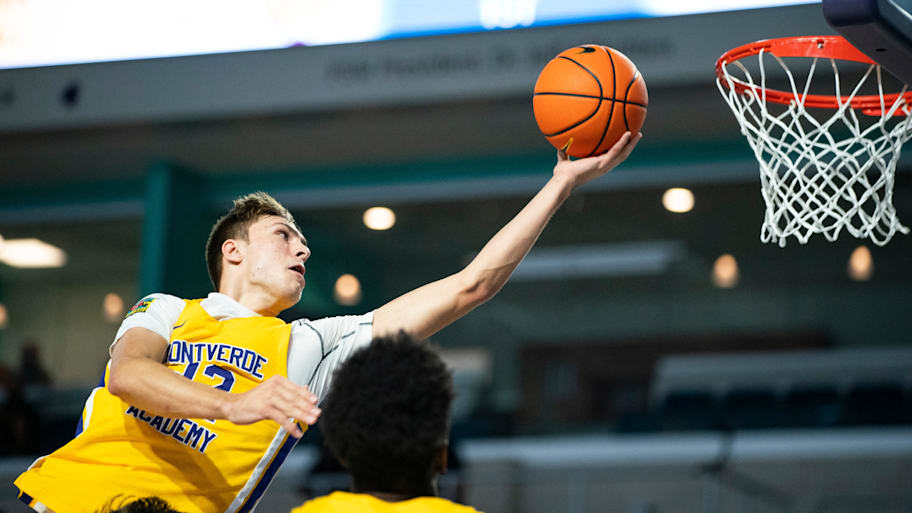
{"x":257,"y":247}
{"x":387,"y":416}
{"x":127,"y":504}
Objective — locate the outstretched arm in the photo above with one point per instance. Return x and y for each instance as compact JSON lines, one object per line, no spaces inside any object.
{"x":138,"y":377}
{"x":428,"y":309}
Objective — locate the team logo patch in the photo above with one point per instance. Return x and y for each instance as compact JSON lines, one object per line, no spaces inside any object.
{"x":141,"y":306}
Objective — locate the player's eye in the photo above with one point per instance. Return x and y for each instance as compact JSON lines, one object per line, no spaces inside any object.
{"x":284,"y":234}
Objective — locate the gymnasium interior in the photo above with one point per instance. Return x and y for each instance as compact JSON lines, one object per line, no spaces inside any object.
{"x":640,"y":360}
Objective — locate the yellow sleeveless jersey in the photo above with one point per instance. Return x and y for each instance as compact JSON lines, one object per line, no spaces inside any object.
{"x":198,"y":465}
{"x":344,"y":502}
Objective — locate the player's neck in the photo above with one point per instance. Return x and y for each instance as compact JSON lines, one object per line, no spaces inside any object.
{"x":257,"y":300}
{"x":429,"y":490}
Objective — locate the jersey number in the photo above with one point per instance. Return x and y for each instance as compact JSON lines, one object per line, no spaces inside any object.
{"x":212,"y":371}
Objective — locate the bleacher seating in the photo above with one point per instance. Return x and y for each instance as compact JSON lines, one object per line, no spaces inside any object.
{"x":691,"y":410}
{"x":750,"y":409}
{"x":878,"y":404}
{"x":816,"y":406}
{"x":789,"y":389}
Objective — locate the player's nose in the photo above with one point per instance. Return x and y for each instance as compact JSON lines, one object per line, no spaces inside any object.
{"x":303,"y":253}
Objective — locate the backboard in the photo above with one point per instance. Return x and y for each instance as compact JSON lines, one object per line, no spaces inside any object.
{"x":881,"y":29}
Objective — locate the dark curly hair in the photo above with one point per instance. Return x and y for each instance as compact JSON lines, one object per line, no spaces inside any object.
{"x":386,"y":417}
{"x":118,"y":504}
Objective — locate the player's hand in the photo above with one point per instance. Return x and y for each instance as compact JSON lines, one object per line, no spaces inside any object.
{"x":579,"y":171}
{"x":278,"y":399}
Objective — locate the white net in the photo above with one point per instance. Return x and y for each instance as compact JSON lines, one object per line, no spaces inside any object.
{"x":820,"y":174}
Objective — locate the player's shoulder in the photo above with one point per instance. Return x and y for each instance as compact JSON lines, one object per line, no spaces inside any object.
{"x":441,"y":505}
{"x":345,"y":502}
{"x":156,"y":300}
{"x":331,"y":330}
{"x":336,"y":502}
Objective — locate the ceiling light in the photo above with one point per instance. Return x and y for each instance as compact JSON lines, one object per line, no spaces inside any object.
{"x":678,"y":200}
{"x":725,"y":272}
{"x":32,"y":253}
{"x":112,"y":308}
{"x":379,"y":218}
{"x":861,"y":264}
{"x":347,"y":291}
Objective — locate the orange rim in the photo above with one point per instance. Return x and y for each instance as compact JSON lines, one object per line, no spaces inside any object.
{"x":828,"y":47}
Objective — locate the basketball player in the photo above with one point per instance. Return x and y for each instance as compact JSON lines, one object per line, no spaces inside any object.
{"x":202,"y":400}
{"x":386,"y":420}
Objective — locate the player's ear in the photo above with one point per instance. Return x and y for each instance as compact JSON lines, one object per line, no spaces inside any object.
{"x":442,"y":459}
{"x":232,"y":251}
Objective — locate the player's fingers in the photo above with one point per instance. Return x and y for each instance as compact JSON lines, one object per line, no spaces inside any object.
{"x":628,"y":149}
{"x":299,"y":391}
{"x":309,"y":417}
{"x":302,"y":411}
{"x":301,"y":397}
{"x":617,"y":149}
{"x":621,"y":143}
{"x":286,"y":422}
{"x":292,"y":428}
{"x":308,"y":395}
{"x":621,"y":149}
{"x":299,"y":410}
{"x":296,"y":396}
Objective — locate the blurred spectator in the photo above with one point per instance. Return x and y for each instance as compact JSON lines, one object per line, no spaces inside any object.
{"x":31,"y":371}
{"x":19,"y":428}
{"x":20,"y":391}
{"x":7,"y":381}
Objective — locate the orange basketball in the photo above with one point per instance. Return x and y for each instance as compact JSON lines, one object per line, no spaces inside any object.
{"x":587,"y":97}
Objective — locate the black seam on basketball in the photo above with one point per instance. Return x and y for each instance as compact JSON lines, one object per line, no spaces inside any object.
{"x":590,"y":96}
{"x":613,"y":94}
{"x":597,"y":107}
{"x":597,"y":81}
{"x":627,"y":92}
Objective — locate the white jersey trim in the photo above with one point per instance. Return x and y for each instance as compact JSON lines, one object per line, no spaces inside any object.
{"x":222,"y":307}
{"x":89,"y":405}
{"x":164,"y":310}
{"x":159,"y":317}
{"x":258,"y":472}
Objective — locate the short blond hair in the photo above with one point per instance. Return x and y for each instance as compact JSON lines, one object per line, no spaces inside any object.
{"x":235,"y":224}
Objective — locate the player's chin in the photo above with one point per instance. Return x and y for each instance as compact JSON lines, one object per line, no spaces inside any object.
{"x":291,"y":295}
{"x":297,"y":291}
{"x":288,"y":301}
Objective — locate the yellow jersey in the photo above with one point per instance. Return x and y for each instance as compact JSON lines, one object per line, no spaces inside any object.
{"x":345,"y":502}
{"x":197,"y":465}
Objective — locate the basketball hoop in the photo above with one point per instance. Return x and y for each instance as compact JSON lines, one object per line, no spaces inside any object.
{"x":819,"y":174}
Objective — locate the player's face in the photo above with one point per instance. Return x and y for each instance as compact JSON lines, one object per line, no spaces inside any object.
{"x":275,"y":255}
